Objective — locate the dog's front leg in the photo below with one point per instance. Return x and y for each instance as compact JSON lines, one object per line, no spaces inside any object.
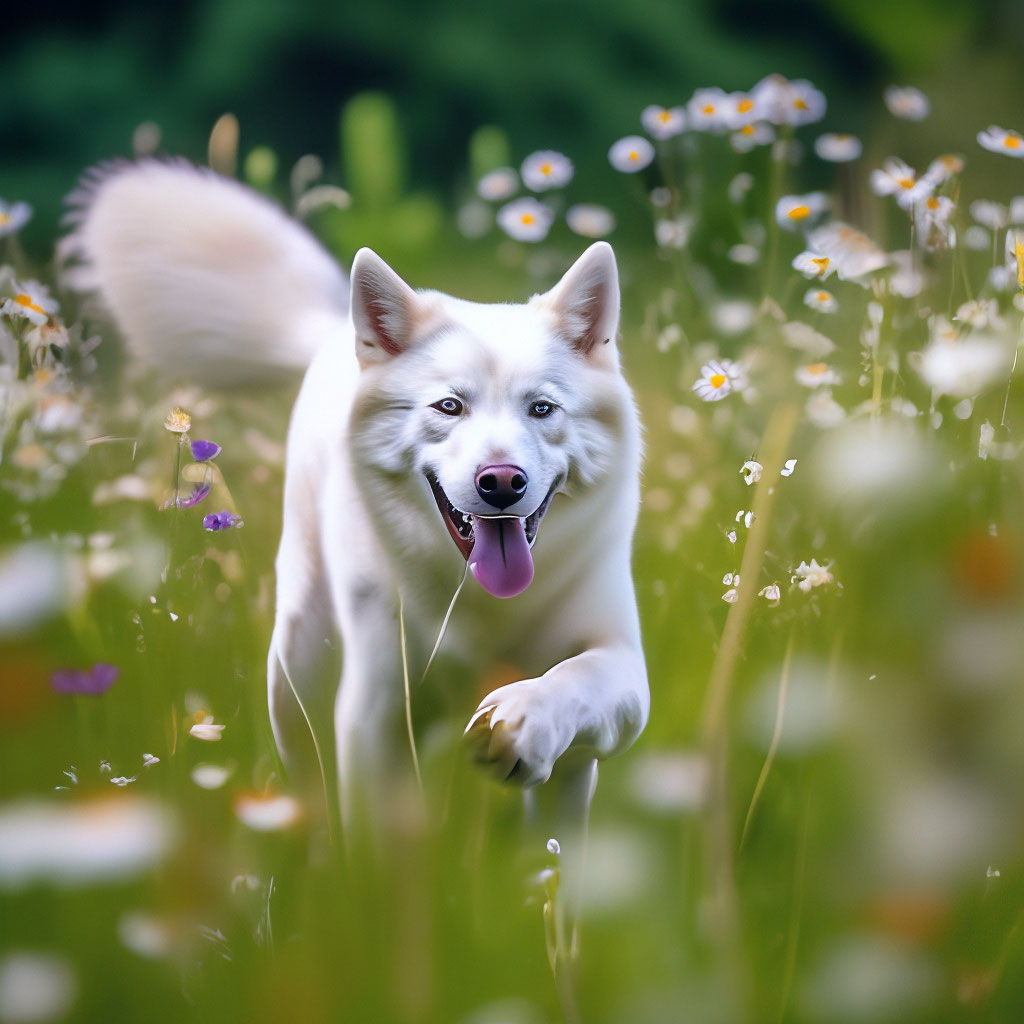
{"x":594,"y":704}
{"x":372,"y":767}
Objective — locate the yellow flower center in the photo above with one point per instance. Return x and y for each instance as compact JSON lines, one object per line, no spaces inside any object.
{"x":744,"y":106}
{"x":26,"y":301}
{"x":1012,"y":141}
{"x":823,"y":296}
{"x":799,"y":103}
{"x":634,"y":155}
{"x":799,"y":212}
{"x":905,"y":182}
{"x":1019,"y":252}
{"x":527,"y":219}
{"x":932,"y":203}
{"x":708,"y":108}
{"x":665,"y":116}
{"x":545,"y":169}
{"x":4,"y":217}
{"x":717,"y":380}
{"x":821,"y":262}
{"x":747,"y":129}
{"x":817,"y":369}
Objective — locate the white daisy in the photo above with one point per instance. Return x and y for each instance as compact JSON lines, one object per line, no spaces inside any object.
{"x":525,"y":220}
{"x":815,"y":375}
{"x":268,"y":812}
{"x":739,"y":110}
{"x":590,"y":220}
{"x":714,"y":383}
{"x":837,"y":147}
{"x":821,"y":301}
{"x":851,"y":251}
{"x":744,"y":254}
{"x":900,"y":180}
{"x":546,"y":169}
{"x":210,"y":776}
{"x":663,"y":122}
{"x":992,"y":215}
{"x":944,"y":167}
{"x":501,"y":183}
{"x":13,"y":217}
{"x":792,"y":212}
{"x":963,"y":368}
{"x":784,"y":102}
{"x":706,"y":110}
{"x":1017,"y":210}
{"x":31,"y":301}
{"x":1002,"y":140}
{"x":750,"y":136}
{"x":813,"y":265}
{"x":932,"y":218}
{"x":631,"y":154}
{"x":907,"y":103}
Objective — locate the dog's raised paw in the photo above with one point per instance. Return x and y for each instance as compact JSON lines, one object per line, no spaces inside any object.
{"x":514,"y":732}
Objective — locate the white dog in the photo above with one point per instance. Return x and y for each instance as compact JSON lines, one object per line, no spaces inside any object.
{"x":429,"y":432}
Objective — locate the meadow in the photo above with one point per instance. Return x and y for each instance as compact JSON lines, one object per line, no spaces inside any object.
{"x":822,"y":820}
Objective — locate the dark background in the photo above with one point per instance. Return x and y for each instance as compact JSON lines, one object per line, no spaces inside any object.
{"x":77,"y":78}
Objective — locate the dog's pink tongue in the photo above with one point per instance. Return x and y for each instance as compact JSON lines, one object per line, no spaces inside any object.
{"x":501,"y":559}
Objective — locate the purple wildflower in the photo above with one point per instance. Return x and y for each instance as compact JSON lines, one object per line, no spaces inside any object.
{"x":90,"y":683}
{"x":221,"y":521}
{"x":199,"y":492}
{"x":202,"y":451}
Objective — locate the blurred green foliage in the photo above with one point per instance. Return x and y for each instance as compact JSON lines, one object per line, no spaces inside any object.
{"x":76,"y":80}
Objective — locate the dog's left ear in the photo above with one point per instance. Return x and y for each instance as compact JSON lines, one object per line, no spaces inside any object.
{"x":586,"y":304}
{"x":386,"y":313}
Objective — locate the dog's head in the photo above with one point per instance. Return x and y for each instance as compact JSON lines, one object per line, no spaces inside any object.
{"x":494,"y":408}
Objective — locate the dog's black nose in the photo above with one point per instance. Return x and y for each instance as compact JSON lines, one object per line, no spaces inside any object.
{"x":501,"y":486}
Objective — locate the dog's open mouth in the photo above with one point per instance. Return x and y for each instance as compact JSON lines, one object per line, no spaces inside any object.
{"x":497,"y":547}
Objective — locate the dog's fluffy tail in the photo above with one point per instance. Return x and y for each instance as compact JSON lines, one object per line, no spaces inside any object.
{"x":206,"y":279}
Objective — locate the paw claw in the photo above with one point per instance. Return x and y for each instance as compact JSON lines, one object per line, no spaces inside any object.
{"x":488,"y":711}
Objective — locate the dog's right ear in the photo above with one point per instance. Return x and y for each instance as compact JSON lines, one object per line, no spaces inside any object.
{"x":386,"y":312}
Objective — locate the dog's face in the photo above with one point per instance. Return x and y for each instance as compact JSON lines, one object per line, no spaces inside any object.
{"x":492,"y":408}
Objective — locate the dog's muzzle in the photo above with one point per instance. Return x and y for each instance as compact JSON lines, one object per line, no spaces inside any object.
{"x":496,"y":546}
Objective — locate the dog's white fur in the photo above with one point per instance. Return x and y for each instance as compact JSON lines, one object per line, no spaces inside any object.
{"x":210,"y":281}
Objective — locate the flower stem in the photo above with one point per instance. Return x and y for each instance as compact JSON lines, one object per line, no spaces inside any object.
{"x":776,"y":735}
{"x":722,"y":898}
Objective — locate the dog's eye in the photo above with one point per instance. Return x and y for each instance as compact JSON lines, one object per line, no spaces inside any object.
{"x":449,"y":406}
{"x":539,"y":410}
